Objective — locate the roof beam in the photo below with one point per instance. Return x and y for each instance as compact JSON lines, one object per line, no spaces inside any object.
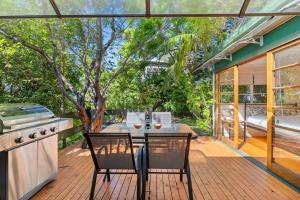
{"x":148,"y":7}
{"x":271,"y":14}
{"x":55,"y":8}
{"x":244,"y":8}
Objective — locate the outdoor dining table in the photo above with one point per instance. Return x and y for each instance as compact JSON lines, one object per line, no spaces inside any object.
{"x":139,"y":133}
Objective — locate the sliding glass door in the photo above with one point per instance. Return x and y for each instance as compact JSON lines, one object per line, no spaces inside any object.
{"x":253,"y":108}
{"x":225,"y":105}
{"x":286,"y":112}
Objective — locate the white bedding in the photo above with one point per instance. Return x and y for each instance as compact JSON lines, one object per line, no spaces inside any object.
{"x":292,"y":121}
{"x":258,"y":121}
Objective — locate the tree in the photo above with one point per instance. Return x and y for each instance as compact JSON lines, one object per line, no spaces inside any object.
{"x":179,"y":41}
{"x":22,"y":78}
{"x":86,"y":56}
{"x":200,"y":101}
{"x":79,"y":52}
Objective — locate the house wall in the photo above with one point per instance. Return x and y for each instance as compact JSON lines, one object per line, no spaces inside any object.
{"x":283,"y":34}
{"x":283,"y":154}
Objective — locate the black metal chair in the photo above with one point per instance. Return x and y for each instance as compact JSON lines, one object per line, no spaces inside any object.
{"x":167,"y":151}
{"x":114,"y":152}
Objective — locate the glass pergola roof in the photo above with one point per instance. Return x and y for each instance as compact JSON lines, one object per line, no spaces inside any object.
{"x":146,"y":8}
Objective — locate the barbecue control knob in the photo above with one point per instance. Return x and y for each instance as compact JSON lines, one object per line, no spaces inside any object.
{"x":43,"y":132}
{"x":52,"y":129}
{"x":19,"y":140}
{"x":32,"y":136}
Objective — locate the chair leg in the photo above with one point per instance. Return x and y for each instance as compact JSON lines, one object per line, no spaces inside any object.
{"x":144,"y":175}
{"x":147,"y":175}
{"x":93,"y":185}
{"x":84,"y":145}
{"x":181,"y":175}
{"x":145,"y":169}
{"x":189,"y":182}
{"x":144,"y":182}
{"x":108,"y":175}
{"x":139,"y":174}
{"x":138,"y":187}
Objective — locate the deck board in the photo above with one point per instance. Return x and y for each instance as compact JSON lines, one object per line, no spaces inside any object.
{"x":217,"y":173}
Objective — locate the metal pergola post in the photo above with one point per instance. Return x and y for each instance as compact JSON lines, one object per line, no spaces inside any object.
{"x":57,"y":11}
{"x":244,"y":8}
{"x":148,"y":8}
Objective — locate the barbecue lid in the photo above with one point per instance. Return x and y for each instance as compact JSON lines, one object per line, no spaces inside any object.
{"x":13,"y":114}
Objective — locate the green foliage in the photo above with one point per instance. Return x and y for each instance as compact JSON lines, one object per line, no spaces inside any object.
{"x":200,"y":101}
{"x":135,"y":90}
{"x":170,"y":44}
{"x":71,"y":140}
{"x":189,"y":36}
{"x":190,"y":121}
{"x":176,"y":44}
{"x":24,"y":79}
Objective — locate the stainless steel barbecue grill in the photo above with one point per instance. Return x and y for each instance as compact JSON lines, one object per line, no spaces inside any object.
{"x":28,"y":148}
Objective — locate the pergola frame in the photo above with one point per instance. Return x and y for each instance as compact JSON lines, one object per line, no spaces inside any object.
{"x":148,"y":14}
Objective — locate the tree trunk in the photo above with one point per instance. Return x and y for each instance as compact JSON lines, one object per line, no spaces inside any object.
{"x":85,"y":119}
{"x":96,"y":125}
{"x":92,"y":125}
{"x":62,"y":104}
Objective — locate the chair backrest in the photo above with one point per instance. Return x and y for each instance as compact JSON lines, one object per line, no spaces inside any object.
{"x":135,"y":118}
{"x":167,"y":151}
{"x":163,"y":118}
{"x":111,"y":151}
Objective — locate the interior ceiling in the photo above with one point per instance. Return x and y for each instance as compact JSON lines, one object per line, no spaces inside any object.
{"x":257,"y":65}
{"x":146,"y":8}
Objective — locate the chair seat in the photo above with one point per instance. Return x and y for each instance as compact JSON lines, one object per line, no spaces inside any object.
{"x":116,"y":161}
{"x":120,"y":161}
{"x":171,"y":161}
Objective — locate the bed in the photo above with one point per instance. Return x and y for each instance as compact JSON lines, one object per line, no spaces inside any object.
{"x":287,"y":127}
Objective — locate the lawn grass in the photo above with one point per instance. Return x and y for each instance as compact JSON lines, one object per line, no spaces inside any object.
{"x":195,"y":125}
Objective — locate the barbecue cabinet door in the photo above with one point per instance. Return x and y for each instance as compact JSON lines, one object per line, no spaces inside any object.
{"x":22,"y":168}
{"x":47,"y":159}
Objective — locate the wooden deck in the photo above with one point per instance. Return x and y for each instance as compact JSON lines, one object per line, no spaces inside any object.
{"x":217,"y":173}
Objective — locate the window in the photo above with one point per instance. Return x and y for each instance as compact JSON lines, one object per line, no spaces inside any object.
{"x":260,"y":89}
{"x":226,"y":87}
{"x":259,"y":94}
{"x":286,"y":135}
{"x":253,"y":93}
{"x":227,"y":93}
{"x":227,"y":98}
{"x":226,"y":103}
{"x":245,"y":89}
{"x":244,"y":93}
